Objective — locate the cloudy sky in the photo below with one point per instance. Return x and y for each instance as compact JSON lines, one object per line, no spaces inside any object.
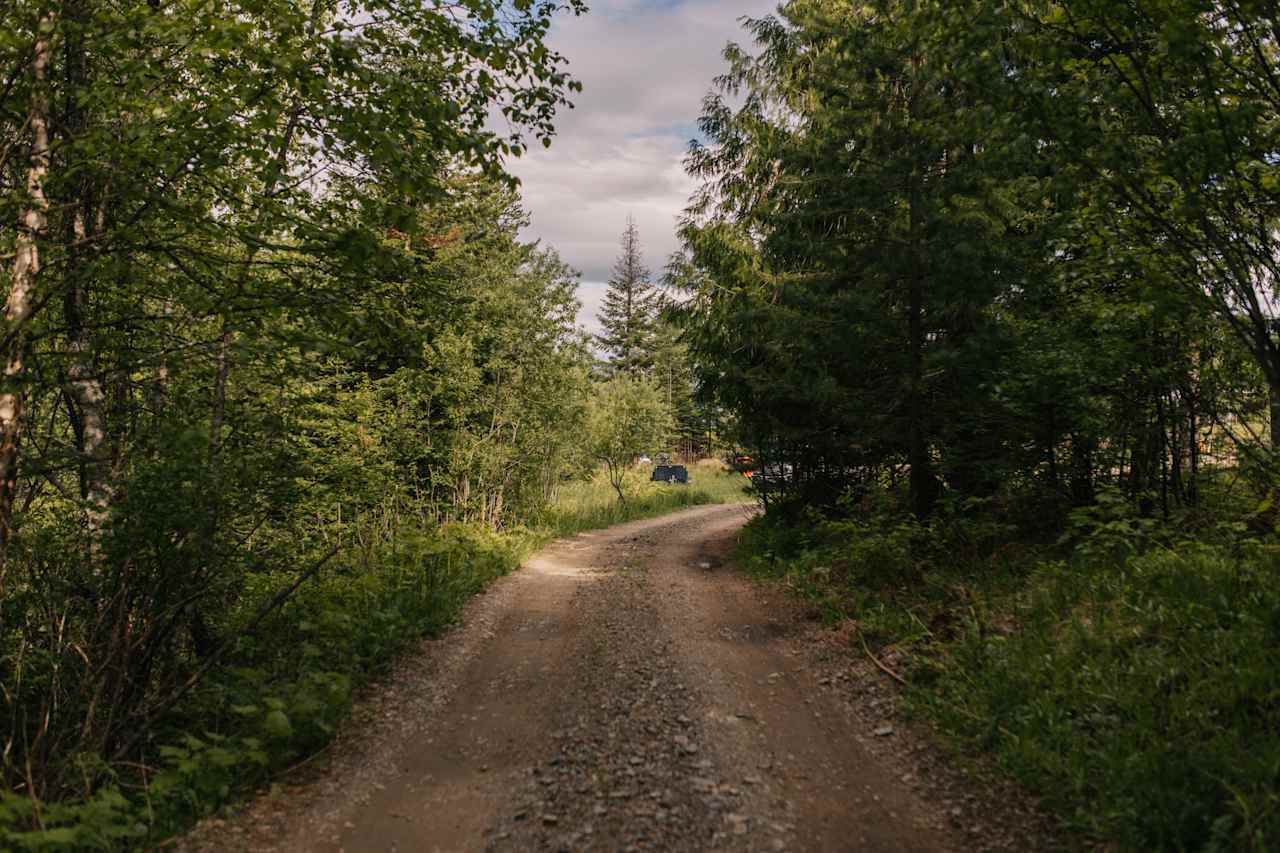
{"x":645,"y":66}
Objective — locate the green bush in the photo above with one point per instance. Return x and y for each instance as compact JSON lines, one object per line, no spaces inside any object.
{"x":1141,"y":698}
{"x":285,"y":683}
{"x":282,"y":688}
{"x":104,"y":822}
{"x":1132,"y":685}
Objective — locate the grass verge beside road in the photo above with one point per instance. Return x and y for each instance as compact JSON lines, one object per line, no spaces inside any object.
{"x":285,"y":684}
{"x":594,"y":504}
{"x":1126,"y":676}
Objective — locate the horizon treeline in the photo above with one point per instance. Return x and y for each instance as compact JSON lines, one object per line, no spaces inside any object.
{"x":976,"y":250}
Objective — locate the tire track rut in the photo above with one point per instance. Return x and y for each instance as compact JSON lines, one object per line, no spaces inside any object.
{"x":620,"y":692}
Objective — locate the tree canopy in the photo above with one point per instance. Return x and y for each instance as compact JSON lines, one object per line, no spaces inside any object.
{"x":965,"y":245}
{"x":268,"y":313}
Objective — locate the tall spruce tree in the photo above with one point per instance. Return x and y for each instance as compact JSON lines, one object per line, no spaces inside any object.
{"x":630,"y":311}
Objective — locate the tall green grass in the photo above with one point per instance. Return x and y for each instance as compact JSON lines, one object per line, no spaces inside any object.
{"x":1139,"y":697}
{"x":594,"y":504}
{"x":1131,"y":680}
{"x":284,"y":687}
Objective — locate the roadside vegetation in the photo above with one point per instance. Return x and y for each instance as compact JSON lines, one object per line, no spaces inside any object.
{"x":276,"y":698}
{"x":283,"y":386}
{"x":987,"y":292}
{"x":1125,"y":675}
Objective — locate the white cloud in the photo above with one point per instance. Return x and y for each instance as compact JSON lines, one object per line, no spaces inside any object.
{"x":645,"y":66}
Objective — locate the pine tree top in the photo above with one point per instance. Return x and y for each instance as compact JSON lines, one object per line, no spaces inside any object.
{"x":629,"y":312}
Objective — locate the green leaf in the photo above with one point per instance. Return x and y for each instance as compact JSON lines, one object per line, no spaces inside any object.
{"x":277,"y":725}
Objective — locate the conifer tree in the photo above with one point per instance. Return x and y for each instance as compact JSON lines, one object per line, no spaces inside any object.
{"x":629,"y":314}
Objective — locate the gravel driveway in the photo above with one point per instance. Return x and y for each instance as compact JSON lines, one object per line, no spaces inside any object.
{"x":623,"y":691}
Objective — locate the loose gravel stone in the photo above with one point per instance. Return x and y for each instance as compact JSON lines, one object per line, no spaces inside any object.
{"x":615,"y":695}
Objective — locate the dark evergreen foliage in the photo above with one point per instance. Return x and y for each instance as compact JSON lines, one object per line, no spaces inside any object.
{"x":900,"y":278}
{"x":989,"y":291}
{"x":629,"y":314}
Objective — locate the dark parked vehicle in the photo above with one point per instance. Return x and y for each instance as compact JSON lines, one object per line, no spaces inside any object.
{"x":670,"y":474}
{"x":776,"y":474}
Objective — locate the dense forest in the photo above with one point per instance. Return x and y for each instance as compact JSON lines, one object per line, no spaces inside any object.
{"x":284,"y":385}
{"x":984,"y":291}
{"x":989,"y":288}
{"x":268,"y":321}
{"x":986,"y":248}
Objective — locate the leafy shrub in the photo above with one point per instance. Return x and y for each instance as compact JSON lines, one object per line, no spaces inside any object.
{"x":1109,"y":529}
{"x":284,"y":686}
{"x":103,"y":822}
{"x":1141,"y":698}
{"x":1132,"y":685}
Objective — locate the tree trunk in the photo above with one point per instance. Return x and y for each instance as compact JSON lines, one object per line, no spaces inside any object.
{"x":1273,"y":399}
{"x":84,"y":387}
{"x":201,"y":636}
{"x":21,"y":303}
{"x":616,"y":474}
{"x":495,"y":519}
{"x":218,"y":405}
{"x":1163,"y":446}
{"x":1193,"y":443}
{"x":922,"y":484}
{"x":226,"y":343}
{"x":1176,"y":417}
{"x":1081,"y":471}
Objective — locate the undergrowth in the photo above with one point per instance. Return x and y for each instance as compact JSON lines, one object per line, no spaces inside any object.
{"x":278,"y":693}
{"x":276,"y":697}
{"x":1126,"y":675}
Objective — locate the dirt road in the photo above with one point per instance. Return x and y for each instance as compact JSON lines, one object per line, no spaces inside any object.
{"x":624,"y":691}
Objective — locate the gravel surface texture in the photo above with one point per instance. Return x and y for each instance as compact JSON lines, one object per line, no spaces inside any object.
{"x":627,"y":691}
